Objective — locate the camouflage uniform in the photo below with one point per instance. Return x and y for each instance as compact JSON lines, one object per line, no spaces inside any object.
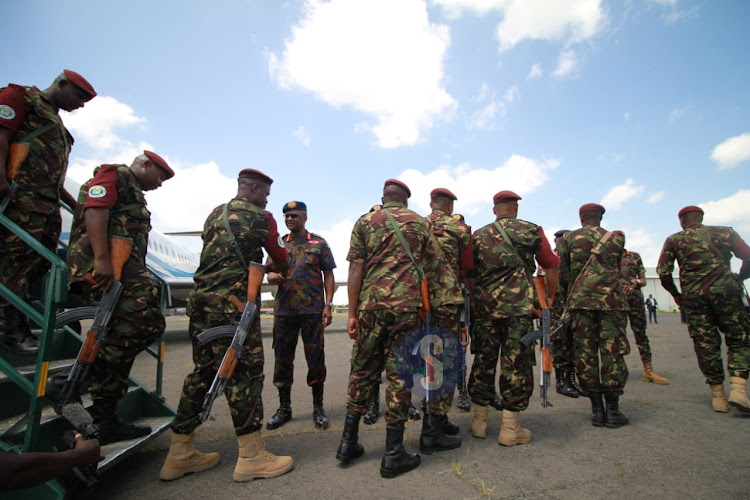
{"x":298,"y":308}
{"x":137,"y":319}
{"x":220,"y":275}
{"x":711,"y":296}
{"x":504,"y":302}
{"x":446,"y":299}
{"x":387,"y":307}
{"x":631,"y":267}
{"x":597,"y":308}
{"x":36,"y":208}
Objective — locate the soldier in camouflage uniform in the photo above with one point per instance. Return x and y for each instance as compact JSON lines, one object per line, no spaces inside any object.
{"x":454,"y":257}
{"x":301,"y":308}
{"x":590,"y":280}
{"x":233,"y":236}
{"x":112,"y":204}
{"x":633,"y":276}
{"x":29,"y":115}
{"x":384,"y":298}
{"x":562,"y":345}
{"x":712,"y":296}
{"x":504,"y":300}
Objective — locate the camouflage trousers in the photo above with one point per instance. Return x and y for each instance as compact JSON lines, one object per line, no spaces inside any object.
{"x":562,"y":348}
{"x":445,"y":317}
{"x":136,"y":323}
{"x":20,"y":265}
{"x":501,"y":338}
{"x":707,"y":316}
{"x":285,"y":335}
{"x":243,"y":391}
{"x":601,"y":335}
{"x":381,"y":332}
{"x":637,"y":317}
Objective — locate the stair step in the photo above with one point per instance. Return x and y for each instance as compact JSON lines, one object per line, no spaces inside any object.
{"x":115,"y":452}
{"x":28,"y":371}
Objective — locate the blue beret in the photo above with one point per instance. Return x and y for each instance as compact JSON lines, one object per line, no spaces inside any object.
{"x":294,"y":205}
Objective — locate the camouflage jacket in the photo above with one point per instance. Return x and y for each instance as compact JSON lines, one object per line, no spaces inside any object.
{"x":442,"y":266}
{"x":390,"y":279}
{"x":503,"y":287}
{"x":221,"y":273}
{"x":702,"y":271}
{"x":128,"y":218}
{"x":302,"y":292}
{"x":599,"y":288}
{"x":43,"y":171}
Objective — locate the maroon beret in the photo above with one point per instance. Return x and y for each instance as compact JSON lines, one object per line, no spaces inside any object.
{"x":619,"y":232}
{"x":80,"y":82}
{"x":591,"y":207}
{"x":159,"y":162}
{"x":251,"y":173}
{"x":688,"y":209}
{"x":505,"y":195}
{"x":442,"y":192}
{"x":398,"y":183}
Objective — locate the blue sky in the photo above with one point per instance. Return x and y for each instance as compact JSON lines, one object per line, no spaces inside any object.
{"x":641,"y":105}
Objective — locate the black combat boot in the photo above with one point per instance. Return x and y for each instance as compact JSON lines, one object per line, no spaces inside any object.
{"x":615,"y":418}
{"x":319,"y":414}
{"x":573,"y":382}
{"x":562,"y":383}
{"x":597,"y":409}
{"x":373,"y":409}
{"x":448,"y":427}
{"x":464,"y":401}
{"x":111,"y":428}
{"x":395,"y":459}
{"x":433,"y":438}
{"x":284,"y":413}
{"x":413,"y":413}
{"x":18,"y":337}
{"x":349,"y":448}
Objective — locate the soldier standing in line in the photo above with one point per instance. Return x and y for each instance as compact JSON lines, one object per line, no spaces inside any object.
{"x":562,"y":344}
{"x":112,"y":203}
{"x":633,"y":279}
{"x":590,"y":278}
{"x":454,"y":256}
{"x":384,"y":299}
{"x":30,"y":116}
{"x":301,"y":308}
{"x":711,"y":294}
{"x":504,"y":298}
{"x":233,"y":236}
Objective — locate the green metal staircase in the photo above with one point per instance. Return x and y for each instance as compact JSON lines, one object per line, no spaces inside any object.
{"x":27,"y":421}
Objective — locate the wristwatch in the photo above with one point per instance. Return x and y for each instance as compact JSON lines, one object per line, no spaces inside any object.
{"x":329,"y":304}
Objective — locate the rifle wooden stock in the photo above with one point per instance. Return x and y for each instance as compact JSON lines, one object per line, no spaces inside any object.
{"x":541,"y":292}
{"x":119,"y":253}
{"x":228,"y":364}
{"x":237,"y":303}
{"x":16,"y":156}
{"x":90,"y":348}
{"x":255,"y":273}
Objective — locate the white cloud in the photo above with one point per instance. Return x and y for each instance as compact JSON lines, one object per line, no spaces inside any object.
{"x":734,"y":209}
{"x":96,"y":122}
{"x":655,"y":197}
{"x":732,"y":151}
{"x":301,"y":135}
{"x":454,"y":9}
{"x":484,"y":118}
{"x":566,"y":63}
{"x":475,"y":187}
{"x":618,"y":195}
{"x":536,"y":71}
{"x":642,"y":241}
{"x":341,"y":54}
{"x":627,"y":115}
{"x":677,"y":114}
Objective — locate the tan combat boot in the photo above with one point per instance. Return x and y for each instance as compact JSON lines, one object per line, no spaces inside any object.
{"x":479,"y":422}
{"x":719,"y":398}
{"x":183,"y":458}
{"x":738,"y":395}
{"x":256,"y":462}
{"x":511,"y":432}
{"x":650,"y":376}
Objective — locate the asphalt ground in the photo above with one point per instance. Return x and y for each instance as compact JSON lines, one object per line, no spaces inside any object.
{"x":675,"y":447}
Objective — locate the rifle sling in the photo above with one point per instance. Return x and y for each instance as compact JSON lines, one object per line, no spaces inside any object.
{"x":402,"y":240}
{"x":595,"y":251}
{"x":230,"y":235}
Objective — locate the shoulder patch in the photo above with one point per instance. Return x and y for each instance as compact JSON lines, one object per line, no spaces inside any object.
{"x":6,"y":112}
{"x":281,"y":242}
{"x":97,"y":191}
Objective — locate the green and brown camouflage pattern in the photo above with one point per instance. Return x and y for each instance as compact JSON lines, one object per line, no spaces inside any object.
{"x":701,"y":270}
{"x":128,"y":218}
{"x":631,"y":268}
{"x":600,"y":335}
{"x":390,"y":278}
{"x":503,"y":288}
{"x":286,"y":331}
{"x":441,"y":266}
{"x":446,"y":317}
{"x":600,"y":287}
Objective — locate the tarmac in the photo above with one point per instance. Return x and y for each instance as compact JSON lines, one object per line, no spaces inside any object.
{"x":675,"y":447}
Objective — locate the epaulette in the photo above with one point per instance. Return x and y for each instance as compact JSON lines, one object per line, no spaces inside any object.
{"x":375,"y":208}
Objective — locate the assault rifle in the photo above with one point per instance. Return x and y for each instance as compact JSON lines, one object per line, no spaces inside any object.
{"x":464,"y":402}
{"x":544,"y":334}
{"x":119,"y":252}
{"x":16,"y":156}
{"x":238,"y":333}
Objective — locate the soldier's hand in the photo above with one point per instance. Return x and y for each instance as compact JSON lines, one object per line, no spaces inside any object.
{"x":275,"y":278}
{"x":352,"y":327}
{"x":326,"y":317}
{"x":103,"y":274}
{"x":88,"y":450}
